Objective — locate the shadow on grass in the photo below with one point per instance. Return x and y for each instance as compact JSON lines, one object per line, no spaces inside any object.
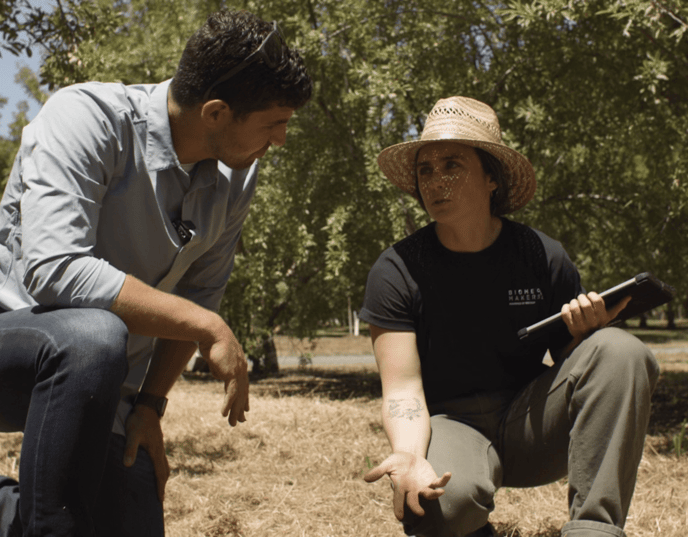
{"x":196,"y":456}
{"x":669,"y":403}
{"x":656,"y":335}
{"x":669,"y":409}
{"x":332,"y":383}
{"x":336,"y":384}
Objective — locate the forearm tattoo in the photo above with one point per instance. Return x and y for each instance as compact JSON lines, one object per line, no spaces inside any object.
{"x":405,"y":408}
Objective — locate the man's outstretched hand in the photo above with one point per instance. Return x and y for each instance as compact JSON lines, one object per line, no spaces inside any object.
{"x":413,"y":477}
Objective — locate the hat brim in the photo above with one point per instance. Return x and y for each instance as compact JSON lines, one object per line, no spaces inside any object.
{"x":398,"y":162}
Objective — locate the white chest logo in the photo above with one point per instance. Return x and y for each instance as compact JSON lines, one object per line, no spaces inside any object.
{"x":525,"y":297}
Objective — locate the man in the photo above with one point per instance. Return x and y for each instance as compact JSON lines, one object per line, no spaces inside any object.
{"x":119,"y":225}
{"x":468,"y":407}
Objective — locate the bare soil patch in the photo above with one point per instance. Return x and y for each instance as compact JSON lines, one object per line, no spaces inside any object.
{"x":675,"y":361}
{"x":324,"y":346}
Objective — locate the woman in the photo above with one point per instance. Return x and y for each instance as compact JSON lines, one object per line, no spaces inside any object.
{"x":463,"y":397}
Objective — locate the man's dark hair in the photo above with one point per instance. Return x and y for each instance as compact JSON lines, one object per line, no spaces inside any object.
{"x":224,"y":41}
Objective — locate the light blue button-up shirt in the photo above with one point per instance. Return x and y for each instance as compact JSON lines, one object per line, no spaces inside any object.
{"x":92,"y":196}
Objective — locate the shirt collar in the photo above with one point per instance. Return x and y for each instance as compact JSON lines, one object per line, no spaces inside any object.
{"x":160,"y":153}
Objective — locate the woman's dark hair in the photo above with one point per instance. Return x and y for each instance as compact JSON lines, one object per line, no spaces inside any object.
{"x":224,"y":41}
{"x":499,"y":201}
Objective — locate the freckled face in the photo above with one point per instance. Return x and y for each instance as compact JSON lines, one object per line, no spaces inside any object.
{"x":451,"y":181}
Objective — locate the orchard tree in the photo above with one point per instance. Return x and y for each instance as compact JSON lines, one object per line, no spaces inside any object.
{"x":55,"y":33}
{"x":16,"y":17}
{"x":592,"y":93}
{"x":58,"y":33}
{"x":612,"y":102}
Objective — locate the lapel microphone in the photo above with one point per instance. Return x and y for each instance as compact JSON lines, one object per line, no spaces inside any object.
{"x":183,"y":228}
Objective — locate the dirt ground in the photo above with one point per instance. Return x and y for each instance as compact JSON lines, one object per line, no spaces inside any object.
{"x":324,"y":346}
{"x":675,"y":361}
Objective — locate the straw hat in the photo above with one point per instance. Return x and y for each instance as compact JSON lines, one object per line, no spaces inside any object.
{"x":469,"y":122}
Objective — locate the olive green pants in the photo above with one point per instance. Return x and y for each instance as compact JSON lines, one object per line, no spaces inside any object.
{"x":584,"y":418}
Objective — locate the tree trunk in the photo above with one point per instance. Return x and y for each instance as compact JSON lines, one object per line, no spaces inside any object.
{"x":271,"y":366}
{"x":671,"y":317}
{"x":257,"y":365}
{"x":265,"y":363}
{"x":643,"y":320}
{"x":349,"y":316}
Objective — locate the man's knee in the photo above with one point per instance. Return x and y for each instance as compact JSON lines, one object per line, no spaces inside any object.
{"x":83,"y":349}
{"x":90,"y":346}
{"x":99,"y":331}
{"x":99,"y":343}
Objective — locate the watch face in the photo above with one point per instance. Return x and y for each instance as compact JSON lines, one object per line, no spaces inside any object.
{"x":162,"y":405}
{"x":153,"y":401}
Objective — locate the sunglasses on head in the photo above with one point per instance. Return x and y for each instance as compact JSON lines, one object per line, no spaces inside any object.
{"x":271,"y":51}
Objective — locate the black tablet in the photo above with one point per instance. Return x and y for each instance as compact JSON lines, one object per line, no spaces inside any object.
{"x":646,"y":291}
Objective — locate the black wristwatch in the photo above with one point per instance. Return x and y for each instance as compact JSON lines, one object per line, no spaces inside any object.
{"x":156,"y":402}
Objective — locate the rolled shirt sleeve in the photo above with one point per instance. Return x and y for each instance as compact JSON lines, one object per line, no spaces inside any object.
{"x":68,"y":155}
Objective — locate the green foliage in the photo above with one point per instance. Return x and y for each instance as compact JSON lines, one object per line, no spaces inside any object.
{"x":15,"y":16}
{"x":131,"y":42}
{"x":60,"y":33}
{"x":31,"y":85}
{"x":7,"y":152}
{"x":305,"y":359}
{"x":9,"y":146}
{"x":612,"y":100}
{"x":593,"y":92}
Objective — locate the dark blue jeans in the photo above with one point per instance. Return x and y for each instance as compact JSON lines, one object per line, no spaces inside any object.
{"x":60,"y":377}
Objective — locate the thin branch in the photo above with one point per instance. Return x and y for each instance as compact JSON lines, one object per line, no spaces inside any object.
{"x":669,"y":12}
{"x":66,"y":22}
{"x":595,"y":197}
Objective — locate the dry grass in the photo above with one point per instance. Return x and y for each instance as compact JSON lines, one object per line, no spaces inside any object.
{"x":659,"y":507}
{"x":294,"y":469}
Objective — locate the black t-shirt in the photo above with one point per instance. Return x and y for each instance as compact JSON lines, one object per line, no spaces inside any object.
{"x":466,"y":308}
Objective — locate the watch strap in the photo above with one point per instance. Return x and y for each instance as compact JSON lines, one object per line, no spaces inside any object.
{"x":156,"y":402}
